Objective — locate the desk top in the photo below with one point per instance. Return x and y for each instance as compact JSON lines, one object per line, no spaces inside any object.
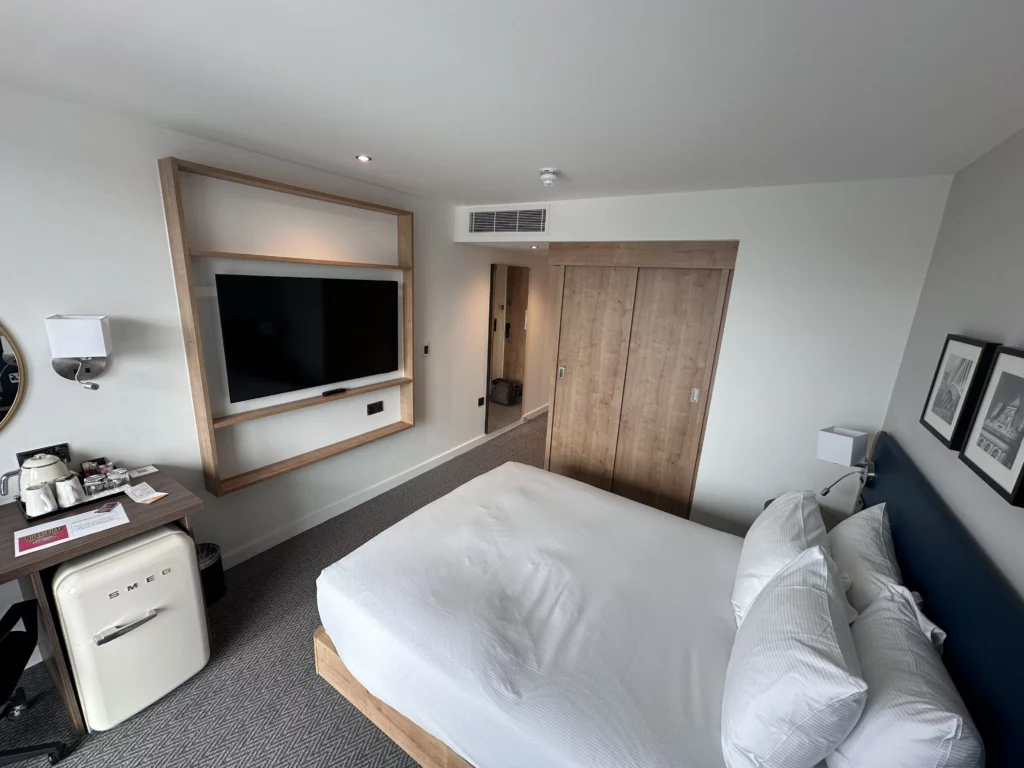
{"x":177,"y":504}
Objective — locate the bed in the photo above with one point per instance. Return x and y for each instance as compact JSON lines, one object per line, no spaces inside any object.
{"x":528,"y":619}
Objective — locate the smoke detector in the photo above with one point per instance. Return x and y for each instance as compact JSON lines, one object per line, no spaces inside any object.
{"x":548,"y":176}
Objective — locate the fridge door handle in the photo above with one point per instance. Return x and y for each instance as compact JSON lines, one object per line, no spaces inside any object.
{"x":119,"y":630}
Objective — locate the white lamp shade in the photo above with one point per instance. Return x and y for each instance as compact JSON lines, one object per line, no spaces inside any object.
{"x":842,"y":446}
{"x":79,"y":335}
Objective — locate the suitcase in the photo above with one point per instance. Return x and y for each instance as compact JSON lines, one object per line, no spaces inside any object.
{"x":134,"y":623}
{"x":502,"y":392}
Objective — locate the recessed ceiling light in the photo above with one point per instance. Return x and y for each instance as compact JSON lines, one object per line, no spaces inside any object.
{"x":363,"y":158}
{"x":533,"y":247}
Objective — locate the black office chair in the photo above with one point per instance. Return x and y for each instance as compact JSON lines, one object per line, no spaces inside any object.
{"x":15,"y":651}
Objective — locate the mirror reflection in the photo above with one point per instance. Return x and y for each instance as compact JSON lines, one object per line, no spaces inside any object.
{"x":10,"y":376}
{"x":506,"y":358}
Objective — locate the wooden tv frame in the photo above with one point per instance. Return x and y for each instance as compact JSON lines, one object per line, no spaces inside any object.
{"x":171,"y":169}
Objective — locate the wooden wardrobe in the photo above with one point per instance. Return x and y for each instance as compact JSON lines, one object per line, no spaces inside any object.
{"x":638,"y":330}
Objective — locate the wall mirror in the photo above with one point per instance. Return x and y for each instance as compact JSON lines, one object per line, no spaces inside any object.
{"x":506,"y":352}
{"x":12,"y":376}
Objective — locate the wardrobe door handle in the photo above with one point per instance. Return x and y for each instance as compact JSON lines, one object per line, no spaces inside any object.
{"x":116,"y":631}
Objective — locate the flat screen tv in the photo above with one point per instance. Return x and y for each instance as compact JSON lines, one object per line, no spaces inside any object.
{"x":282,"y":334}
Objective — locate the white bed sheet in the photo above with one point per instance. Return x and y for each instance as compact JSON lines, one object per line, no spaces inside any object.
{"x":528,"y":620}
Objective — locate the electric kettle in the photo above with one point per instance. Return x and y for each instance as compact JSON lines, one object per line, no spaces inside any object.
{"x":41,"y":468}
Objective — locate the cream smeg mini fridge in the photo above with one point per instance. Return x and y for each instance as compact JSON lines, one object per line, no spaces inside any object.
{"x":134,"y":623}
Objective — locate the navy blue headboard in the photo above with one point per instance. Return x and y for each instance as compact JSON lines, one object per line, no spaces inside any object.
{"x":965,"y":595}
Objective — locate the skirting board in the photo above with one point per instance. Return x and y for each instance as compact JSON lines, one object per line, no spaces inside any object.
{"x":295,"y":527}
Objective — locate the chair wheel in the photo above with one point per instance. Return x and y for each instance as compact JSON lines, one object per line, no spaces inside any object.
{"x":58,"y":754}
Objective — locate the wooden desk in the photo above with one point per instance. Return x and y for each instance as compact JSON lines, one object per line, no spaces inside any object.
{"x":35,"y":570}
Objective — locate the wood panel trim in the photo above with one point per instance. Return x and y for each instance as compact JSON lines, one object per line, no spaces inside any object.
{"x":682,"y":254}
{"x":625,"y":374}
{"x":517,"y":322}
{"x":277,"y":186}
{"x":425,"y":749}
{"x":51,"y":648}
{"x":599,"y":328}
{"x":709,"y":375}
{"x":245,"y":479}
{"x":306,"y":402}
{"x":405,"y":261}
{"x":556,"y":330}
{"x":181,"y":264}
{"x":181,"y":260}
{"x":672,"y":341}
{"x":290,"y":259}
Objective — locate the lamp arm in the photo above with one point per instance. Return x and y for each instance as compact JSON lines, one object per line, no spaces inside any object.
{"x":87,"y":384}
{"x":866,"y":469}
{"x":825,"y":491}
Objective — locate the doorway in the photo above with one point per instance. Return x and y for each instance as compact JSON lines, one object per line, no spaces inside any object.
{"x":506,"y":351}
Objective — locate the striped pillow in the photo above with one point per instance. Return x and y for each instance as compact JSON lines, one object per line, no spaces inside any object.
{"x":914,"y":715}
{"x":793,"y":688}
{"x":862,"y":547}
{"x":790,"y":524}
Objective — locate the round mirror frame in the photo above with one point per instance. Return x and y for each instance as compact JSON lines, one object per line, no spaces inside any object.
{"x":20,"y":358}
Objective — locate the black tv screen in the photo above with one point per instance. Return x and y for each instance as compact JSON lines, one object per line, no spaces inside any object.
{"x":287,"y":333}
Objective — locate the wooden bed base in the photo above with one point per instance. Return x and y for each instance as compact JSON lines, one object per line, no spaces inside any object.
{"x":425,"y":749}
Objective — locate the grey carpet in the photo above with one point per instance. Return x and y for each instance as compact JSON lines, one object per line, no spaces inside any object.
{"x":259,"y":701}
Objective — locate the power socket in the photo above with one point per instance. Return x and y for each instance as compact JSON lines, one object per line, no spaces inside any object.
{"x":373,"y":408}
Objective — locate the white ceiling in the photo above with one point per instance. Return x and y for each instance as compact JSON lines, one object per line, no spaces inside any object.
{"x":465,"y":99}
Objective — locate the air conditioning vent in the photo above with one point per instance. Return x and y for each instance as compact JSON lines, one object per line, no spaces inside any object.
{"x":531,"y":220}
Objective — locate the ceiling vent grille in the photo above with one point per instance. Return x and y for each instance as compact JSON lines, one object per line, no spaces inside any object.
{"x":530,"y":220}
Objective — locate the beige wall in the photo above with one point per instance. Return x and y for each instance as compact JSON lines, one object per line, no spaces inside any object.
{"x":827,"y":281}
{"x":82,"y":217}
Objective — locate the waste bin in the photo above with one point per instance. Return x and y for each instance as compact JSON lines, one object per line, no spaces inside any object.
{"x":211,"y":572}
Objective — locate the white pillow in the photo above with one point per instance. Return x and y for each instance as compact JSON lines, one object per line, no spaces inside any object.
{"x":793,"y":689}
{"x":914,"y":715}
{"x":862,"y":547}
{"x":791,"y":524}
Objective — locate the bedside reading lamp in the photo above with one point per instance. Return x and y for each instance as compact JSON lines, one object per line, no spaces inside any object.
{"x":79,"y":345}
{"x":849,"y":448}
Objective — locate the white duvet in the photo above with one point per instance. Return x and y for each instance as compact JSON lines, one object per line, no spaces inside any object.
{"x":528,"y":620}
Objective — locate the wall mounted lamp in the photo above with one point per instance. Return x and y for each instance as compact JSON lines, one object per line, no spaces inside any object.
{"x":79,"y":346}
{"x":849,"y":448}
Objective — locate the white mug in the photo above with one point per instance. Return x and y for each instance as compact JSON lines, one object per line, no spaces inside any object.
{"x":39,"y":500}
{"x":69,"y":491}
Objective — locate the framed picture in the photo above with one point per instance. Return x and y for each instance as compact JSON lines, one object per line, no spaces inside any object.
{"x":993,"y":447}
{"x":956,"y":387}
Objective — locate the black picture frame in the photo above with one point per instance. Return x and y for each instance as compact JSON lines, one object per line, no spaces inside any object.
{"x":1016,"y":496}
{"x":971,"y":396}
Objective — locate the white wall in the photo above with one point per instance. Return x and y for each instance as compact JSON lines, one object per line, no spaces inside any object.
{"x":973,"y":287}
{"x":83,"y":225}
{"x":826,"y":283}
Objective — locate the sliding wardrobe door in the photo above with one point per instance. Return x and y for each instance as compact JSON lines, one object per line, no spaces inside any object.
{"x":593,"y":342}
{"x":676,"y":321}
